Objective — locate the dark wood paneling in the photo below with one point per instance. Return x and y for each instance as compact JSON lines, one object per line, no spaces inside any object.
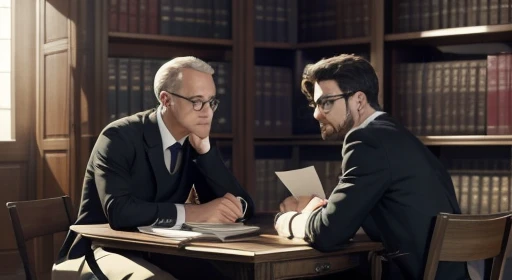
{"x":12,"y":188}
{"x":55,"y":20}
{"x":249,"y":86}
{"x":10,"y":264}
{"x":56,"y":95}
{"x":166,"y":51}
{"x":56,"y":174}
{"x":377,"y":44}
{"x":238,"y":89}
{"x":56,"y":99}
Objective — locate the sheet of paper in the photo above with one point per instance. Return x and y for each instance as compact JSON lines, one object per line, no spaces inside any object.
{"x":302,"y":182}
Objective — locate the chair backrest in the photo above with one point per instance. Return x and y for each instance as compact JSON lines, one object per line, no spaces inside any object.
{"x":35,"y":218}
{"x":461,"y":237}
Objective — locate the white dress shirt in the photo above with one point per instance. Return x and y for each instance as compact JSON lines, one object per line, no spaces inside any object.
{"x":167,"y":141}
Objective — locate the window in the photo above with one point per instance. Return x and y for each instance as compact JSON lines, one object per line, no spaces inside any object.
{"x":6,"y":128}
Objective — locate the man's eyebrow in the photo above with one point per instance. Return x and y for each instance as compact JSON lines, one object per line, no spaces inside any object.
{"x":200,"y":96}
{"x":325,"y":95}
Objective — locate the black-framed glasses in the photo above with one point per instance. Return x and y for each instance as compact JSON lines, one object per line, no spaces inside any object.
{"x":197,"y":104}
{"x":326,"y":102}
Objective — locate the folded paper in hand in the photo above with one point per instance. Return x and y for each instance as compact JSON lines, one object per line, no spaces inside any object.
{"x":213,"y":231}
{"x":302,"y":182}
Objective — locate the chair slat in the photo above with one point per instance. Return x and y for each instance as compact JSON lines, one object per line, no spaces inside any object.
{"x":468,"y":240}
{"x":37,"y":218}
{"x":462,"y":237}
{"x":42,"y":217}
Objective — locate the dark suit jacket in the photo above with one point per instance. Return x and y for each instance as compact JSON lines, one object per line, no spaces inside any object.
{"x":127,"y":183}
{"x":394,"y":187}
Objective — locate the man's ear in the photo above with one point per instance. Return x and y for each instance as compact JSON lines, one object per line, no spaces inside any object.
{"x":361,"y":100}
{"x":361,"y":97}
{"x":165,"y":99}
{"x":162,"y":97}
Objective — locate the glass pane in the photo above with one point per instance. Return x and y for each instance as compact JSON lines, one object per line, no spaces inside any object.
{"x":5,"y":56}
{"x":5,"y":125}
{"x":5,"y":23}
{"x":5,"y":3}
{"x":5,"y":90}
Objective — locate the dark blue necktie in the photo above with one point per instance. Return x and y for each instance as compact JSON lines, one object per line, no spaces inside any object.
{"x":175,"y":150}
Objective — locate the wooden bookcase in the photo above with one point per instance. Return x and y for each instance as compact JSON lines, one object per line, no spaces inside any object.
{"x":383,"y":47}
{"x":165,"y":47}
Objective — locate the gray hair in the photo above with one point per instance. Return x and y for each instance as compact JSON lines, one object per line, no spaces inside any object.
{"x":169,"y":76}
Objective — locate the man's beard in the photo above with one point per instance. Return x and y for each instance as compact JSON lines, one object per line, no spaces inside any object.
{"x":330,"y":134}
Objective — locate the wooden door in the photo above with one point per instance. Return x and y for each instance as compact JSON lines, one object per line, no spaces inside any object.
{"x":71,"y":61}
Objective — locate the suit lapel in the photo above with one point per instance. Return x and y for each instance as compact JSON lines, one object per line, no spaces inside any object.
{"x":154,"y":150}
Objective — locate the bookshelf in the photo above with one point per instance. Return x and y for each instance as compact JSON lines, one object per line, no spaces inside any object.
{"x":175,"y":40}
{"x":467,"y":140}
{"x":385,"y":48}
{"x":457,"y":35}
{"x":155,"y":31}
{"x":269,"y":44}
{"x":334,"y":43}
{"x":450,"y":51}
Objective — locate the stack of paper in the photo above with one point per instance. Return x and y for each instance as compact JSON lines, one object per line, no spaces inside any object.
{"x":215,"y":231}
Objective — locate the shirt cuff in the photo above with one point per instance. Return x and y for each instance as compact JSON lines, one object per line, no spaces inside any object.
{"x":298,"y":224}
{"x":180,"y":216}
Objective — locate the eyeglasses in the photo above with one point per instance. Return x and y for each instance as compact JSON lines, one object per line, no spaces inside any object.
{"x":197,"y":104}
{"x":326,"y":102}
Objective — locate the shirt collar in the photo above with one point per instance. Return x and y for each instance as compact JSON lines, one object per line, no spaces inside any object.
{"x":371,"y":118}
{"x":167,"y":138}
{"x":367,"y":121}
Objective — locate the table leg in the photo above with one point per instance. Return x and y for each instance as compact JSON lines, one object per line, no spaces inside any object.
{"x":376,"y":264}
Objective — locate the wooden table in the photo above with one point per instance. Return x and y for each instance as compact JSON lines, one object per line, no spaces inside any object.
{"x":262,"y":257}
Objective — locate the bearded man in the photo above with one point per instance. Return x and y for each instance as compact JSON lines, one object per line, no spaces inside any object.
{"x":391,"y":184}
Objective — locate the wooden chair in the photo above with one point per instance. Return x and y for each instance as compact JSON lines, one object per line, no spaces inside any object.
{"x":460,"y":238}
{"x":35,"y":218}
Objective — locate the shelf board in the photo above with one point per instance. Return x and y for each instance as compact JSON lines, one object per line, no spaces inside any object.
{"x":442,"y":140}
{"x":274,"y":45}
{"x":336,"y":42}
{"x":299,"y":143}
{"x":467,"y":140}
{"x":311,"y":45}
{"x":119,"y":36}
{"x":458,"y":35}
{"x":296,"y":140}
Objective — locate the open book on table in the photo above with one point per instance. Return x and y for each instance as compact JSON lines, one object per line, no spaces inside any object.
{"x":212,"y":231}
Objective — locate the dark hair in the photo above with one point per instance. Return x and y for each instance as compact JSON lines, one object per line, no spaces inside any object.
{"x":352,"y":73}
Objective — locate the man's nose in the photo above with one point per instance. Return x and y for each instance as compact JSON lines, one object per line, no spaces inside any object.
{"x":318,"y":115}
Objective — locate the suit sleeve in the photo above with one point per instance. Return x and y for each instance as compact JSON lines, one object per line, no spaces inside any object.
{"x":112,"y":158}
{"x":214,"y":180}
{"x":365,"y":178}
{"x":370,"y":228}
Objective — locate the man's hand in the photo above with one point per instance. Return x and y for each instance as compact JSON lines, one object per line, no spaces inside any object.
{"x":224,"y":209}
{"x":297,"y":204}
{"x":313,"y":204}
{"x":201,"y":145}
